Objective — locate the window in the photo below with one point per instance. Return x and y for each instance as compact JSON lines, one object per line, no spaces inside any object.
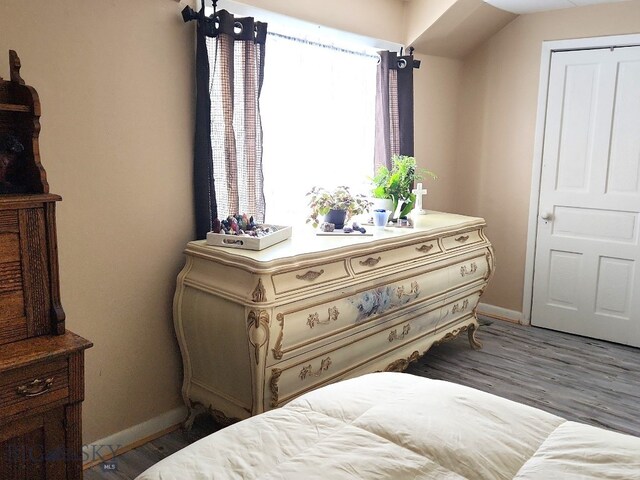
{"x":318,"y":108}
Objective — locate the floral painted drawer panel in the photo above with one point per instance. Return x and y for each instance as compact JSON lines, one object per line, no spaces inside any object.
{"x":295,"y":329}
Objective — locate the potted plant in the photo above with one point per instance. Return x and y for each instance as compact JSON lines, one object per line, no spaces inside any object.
{"x":396,"y":184}
{"x":337,"y":205}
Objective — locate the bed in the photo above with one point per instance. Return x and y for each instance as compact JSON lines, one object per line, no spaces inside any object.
{"x":399,"y":426}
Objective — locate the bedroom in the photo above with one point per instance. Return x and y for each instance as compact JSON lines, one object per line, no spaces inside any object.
{"x":115,"y":81}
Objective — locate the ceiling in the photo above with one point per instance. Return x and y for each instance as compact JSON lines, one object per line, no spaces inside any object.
{"x":529,"y":6}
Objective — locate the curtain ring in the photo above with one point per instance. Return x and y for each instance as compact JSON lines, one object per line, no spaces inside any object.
{"x":379,"y":59}
{"x":215,"y":19}
{"x":402,"y":63}
{"x":237,"y":28}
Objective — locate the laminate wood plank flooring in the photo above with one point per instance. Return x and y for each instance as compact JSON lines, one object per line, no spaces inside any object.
{"x":581,"y":379}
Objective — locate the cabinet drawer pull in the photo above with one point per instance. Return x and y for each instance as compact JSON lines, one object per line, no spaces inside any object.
{"x":457,"y":308}
{"x":394,"y":333}
{"x":424,"y":248}
{"x":310,"y":276}
{"x":473,"y":268}
{"x":308,"y":372}
{"x":35,"y":388}
{"x":314,"y":318}
{"x":462,"y":238}
{"x":370,"y":262}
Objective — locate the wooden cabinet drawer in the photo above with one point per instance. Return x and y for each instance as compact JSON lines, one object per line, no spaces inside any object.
{"x":386,"y":258}
{"x":33,"y":386}
{"x":298,"y":325}
{"x":309,"y":277}
{"x":311,"y":371}
{"x":460,"y":240}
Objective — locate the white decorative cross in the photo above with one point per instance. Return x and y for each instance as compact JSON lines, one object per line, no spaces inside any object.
{"x":419,"y":192}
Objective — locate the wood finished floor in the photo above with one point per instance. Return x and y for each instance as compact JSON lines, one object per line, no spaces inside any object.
{"x":580,"y":379}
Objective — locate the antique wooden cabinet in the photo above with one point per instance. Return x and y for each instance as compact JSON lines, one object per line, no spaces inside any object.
{"x":41,"y":364}
{"x":258,"y":328}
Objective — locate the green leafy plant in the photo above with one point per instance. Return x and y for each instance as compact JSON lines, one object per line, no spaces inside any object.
{"x":398,"y":182}
{"x":322,"y":201}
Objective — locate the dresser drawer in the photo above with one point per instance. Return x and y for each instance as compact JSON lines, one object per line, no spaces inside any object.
{"x":309,"y":372}
{"x":298,"y":326}
{"x":460,"y":240}
{"x":394,"y":256}
{"x":457,"y":309}
{"x":33,"y":386}
{"x":468,"y":271}
{"x":309,"y":277}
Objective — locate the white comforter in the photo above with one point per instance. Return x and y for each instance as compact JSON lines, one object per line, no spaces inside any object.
{"x":398,"y":426}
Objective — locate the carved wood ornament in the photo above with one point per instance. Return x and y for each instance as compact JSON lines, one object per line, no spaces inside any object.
{"x":258,"y":325}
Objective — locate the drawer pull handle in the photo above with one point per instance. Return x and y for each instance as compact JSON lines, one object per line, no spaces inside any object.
{"x":314,"y":318}
{"x":394,"y":333}
{"x":370,"y":262}
{"x":308,"y":371}
{"x":462,"y":238}
{"x":310,"y":276}
{"x":38,"y":387}
{"x":464,"y":271}
{"x":457,"y":308}
{"x":424,"y":248}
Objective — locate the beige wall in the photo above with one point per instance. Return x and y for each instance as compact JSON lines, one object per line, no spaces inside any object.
{"x":115,"y":82}
{"x":497,"y":116}
{"x":381,"y":19}
{"x":436,"y":92}
{"x":421,"y":14}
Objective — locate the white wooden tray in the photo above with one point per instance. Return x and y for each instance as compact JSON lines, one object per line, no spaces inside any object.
{"x":249,"y":243}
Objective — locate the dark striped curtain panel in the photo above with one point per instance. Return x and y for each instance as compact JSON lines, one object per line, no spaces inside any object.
{"x":227,"y":169}
{"x":394,"y":107}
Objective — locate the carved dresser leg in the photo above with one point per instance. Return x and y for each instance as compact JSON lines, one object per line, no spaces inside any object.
{"x":194,"y":410}
{"x":473,"y":341}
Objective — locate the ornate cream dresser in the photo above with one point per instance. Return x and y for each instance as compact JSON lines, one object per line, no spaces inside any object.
{"x":258,"y":328}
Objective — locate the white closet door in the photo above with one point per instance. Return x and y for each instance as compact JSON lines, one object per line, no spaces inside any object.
{"x":586,"y":278}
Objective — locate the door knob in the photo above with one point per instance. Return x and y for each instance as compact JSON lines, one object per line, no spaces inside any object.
{"x":546,"y":215}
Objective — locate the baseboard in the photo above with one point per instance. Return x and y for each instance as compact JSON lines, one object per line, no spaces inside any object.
{"x":499,"y":313}
{"x":121,"y":442}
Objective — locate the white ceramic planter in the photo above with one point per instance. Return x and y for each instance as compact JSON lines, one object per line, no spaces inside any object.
{"x":385,"y":203}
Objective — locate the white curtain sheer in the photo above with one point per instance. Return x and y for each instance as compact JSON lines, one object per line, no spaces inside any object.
{"x":318,"y":116}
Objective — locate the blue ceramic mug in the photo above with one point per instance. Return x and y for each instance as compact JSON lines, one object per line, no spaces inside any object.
{"x":380,"y":217}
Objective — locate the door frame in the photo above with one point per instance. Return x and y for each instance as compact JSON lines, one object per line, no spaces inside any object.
{"x":548,"y":48}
